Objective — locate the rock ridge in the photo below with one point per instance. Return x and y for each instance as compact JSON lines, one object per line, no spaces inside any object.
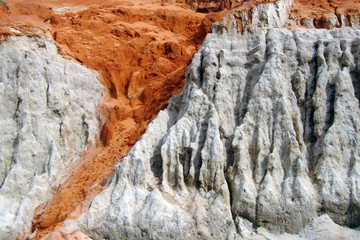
{"x":252,"y":15}
{"x":262,"y":140}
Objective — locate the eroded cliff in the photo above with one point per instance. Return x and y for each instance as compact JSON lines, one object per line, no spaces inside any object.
{"x":263,"y":139}
{"x":138,"y":47}
{"x":265,"y":134}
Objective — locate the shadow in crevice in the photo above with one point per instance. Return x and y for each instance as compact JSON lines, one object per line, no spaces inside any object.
{"x":156,"y":163}
{"x":330,"y":95}
{"x":185,"y":161}
{"x":355,"y":78}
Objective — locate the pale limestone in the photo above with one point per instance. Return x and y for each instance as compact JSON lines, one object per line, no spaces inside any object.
{"x":48,"y":116}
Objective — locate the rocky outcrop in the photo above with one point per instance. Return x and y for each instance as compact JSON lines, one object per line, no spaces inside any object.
{"x":48,"y":117}
{"x":250,"y":16}
{"x":325,"y":13}
{"x":263,"y":140}
{"x":264,"y":136}
{"x":141,"y":50}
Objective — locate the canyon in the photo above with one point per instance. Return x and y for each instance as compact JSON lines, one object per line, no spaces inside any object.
{"x":180,"y":119}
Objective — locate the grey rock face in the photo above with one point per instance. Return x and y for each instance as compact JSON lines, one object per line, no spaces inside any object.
{"x":47,"y":117}
{"x":265,"y":135}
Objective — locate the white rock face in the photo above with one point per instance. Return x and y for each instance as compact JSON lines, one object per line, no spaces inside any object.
{"x":47,"y":117}
{"x":319,"y":228}
{"x":267,"y":15}
{"x":263,"y":139}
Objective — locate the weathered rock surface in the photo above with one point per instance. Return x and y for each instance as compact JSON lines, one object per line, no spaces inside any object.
{"x":262,"y":143}
{"x":211,"y":6}
{"x":265,"y":134}
{"x":48,"y":116}
{"x":319,"y":228}
{"x":325,"y":13}
{"x":250,"y":16}
{"x":255,"y":14}
{"x":141,"y":50}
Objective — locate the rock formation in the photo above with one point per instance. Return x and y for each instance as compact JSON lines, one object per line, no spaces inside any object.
{"x":262,"y":143}
{"x":48,"y":117}
{"x":211,"y":6}
{"x":154,"y":48}
{"x":264,"y":135}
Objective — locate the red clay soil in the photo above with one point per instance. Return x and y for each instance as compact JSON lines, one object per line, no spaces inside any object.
{"x":303,"y":9}
{"x":141,"y":50}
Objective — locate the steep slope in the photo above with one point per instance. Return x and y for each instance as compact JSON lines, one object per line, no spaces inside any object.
{"x":263,"y":139}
